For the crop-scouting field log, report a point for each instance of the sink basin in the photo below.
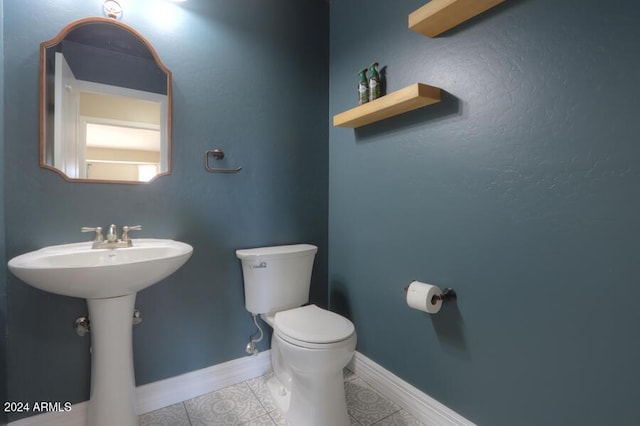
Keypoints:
(109, 279)
(77, 270)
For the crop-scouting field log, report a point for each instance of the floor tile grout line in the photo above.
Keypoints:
(354, 379)
(255, 395)
(184, 405)
(246, 383)
(386, 417)
(275, 422)
(353, 419)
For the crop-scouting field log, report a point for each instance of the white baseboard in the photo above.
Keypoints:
(176, 389)
(414, 401)
(166, 392)
(186, 386)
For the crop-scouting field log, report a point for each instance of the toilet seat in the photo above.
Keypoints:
(313, 327)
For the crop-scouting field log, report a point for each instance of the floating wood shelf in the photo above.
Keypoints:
(438, 16)
(411, 97)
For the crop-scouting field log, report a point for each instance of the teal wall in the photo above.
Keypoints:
(249, 78)
(519, 190)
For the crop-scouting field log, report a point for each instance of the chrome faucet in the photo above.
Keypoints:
(112, 236)
(112, 240)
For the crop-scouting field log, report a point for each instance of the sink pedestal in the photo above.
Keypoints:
(112, 400)
(109, 280)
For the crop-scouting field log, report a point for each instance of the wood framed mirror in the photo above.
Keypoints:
(105, 104)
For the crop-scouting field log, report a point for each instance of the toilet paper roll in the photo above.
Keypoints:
(420, 296)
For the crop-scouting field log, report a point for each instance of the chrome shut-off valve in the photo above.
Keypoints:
(82, 325)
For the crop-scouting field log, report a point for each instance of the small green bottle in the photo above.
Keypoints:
(374, 82)
(363, 87)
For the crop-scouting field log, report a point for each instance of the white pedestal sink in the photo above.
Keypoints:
(109, 279)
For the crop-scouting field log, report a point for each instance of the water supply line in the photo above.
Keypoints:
(251, 346)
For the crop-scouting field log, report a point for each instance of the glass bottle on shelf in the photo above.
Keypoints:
(363, 87)
(374, 82)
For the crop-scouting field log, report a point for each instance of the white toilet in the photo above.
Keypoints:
(310, 346)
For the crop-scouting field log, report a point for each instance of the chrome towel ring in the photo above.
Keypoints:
(217, 154)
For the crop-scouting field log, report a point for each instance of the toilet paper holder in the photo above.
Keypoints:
(447, 294)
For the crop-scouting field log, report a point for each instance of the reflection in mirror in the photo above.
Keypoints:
(105, 104)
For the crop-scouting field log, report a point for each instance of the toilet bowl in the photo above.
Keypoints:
(317, 385)
(310, 346)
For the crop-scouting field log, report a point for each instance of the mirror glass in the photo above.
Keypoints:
(105, 104)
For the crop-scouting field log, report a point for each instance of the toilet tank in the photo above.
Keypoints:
(276, 278)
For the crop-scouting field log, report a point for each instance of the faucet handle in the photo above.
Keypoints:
(126, 229)
(97, 230)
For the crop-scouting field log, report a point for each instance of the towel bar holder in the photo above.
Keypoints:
(217, 154)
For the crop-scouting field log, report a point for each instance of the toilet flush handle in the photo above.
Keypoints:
(259, 265)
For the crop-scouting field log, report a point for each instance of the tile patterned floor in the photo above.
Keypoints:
(249, 404)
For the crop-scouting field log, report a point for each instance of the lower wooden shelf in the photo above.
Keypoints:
(412, 97)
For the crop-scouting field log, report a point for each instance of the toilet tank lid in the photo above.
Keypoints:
(276, 251)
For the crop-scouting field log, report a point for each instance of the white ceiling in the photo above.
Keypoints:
(119, 137)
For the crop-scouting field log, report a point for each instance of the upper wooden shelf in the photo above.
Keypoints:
(411, 97)
(438, 16)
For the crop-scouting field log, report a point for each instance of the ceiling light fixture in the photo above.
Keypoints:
(112, 9)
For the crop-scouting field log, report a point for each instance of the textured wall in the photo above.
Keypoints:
(249, 78)
(520, 190)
